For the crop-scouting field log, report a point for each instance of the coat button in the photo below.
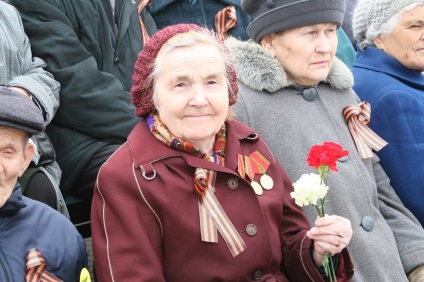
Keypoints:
(367, 223)
(116, 60)
(251, 229)
(257, 275)
(232, 183)
(343, 159)
(309, 94)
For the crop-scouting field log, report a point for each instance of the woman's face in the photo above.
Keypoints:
(406, 42)
(306, 53)
(191, 93)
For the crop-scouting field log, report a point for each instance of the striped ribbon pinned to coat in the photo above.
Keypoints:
(225, 20)
(213, 216)
(143, 4)
(358, 117)
(36, 268)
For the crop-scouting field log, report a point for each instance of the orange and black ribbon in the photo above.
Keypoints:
(225, 20)
(213, 216)
(36, 268)
(358, 117)
(140, 7)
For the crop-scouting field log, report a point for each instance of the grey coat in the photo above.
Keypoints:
(20, 69)
(291, 125)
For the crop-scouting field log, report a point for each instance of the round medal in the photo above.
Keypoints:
(257, 188)
(267, 182)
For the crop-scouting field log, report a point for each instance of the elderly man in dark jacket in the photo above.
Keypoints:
(37, 242)
(90, 47)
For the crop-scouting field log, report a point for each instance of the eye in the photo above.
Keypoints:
(331, 30)
(416, 26)
(212, 82)
(8, 153)
(180, 84)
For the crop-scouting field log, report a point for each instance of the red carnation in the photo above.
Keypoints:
(326, 154)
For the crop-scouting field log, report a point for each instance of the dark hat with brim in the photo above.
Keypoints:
(272, 16)
(20, 112)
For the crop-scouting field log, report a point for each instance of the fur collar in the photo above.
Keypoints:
(258, 70)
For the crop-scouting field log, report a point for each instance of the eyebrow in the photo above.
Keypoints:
(414, 21)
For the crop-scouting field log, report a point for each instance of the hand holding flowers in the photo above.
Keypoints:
(331, 233)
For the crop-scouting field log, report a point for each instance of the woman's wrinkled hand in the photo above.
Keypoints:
(331, 234)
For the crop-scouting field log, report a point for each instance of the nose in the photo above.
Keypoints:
(323, 44)
(198, 98)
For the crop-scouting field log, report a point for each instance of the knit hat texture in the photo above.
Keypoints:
(370, 15)
(142, 89)
(270, 16)
(18, 111)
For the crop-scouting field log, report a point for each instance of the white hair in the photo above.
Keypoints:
(388, 26)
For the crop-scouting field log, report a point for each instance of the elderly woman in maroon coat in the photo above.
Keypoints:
(183, 200)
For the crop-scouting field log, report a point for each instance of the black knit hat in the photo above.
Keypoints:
(18, 111)
(269, 16)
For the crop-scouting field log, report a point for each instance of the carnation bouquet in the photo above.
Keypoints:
(311, 188)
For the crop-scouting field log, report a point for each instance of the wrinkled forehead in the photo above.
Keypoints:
(12, 134)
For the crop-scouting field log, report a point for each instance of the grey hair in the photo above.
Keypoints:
(387, 27)
(192, 38)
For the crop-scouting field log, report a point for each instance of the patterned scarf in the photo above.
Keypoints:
(212, 216)
(162, 133)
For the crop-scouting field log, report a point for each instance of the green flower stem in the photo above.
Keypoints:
(327, 261)
(332, 272)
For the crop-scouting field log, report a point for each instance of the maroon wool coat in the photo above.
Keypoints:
(148, 230)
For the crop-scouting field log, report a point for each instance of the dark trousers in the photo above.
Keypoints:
(84, 186)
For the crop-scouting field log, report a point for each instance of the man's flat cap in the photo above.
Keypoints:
(20, 112)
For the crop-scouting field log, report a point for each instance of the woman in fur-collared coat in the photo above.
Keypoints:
(293, 91)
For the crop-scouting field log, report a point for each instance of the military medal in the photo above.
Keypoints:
(257, 188)
(260, 166)
(256, 163)
(266, 182)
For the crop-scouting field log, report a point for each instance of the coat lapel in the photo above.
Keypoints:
(126, 11)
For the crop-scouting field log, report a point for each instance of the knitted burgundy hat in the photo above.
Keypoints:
(142, 89)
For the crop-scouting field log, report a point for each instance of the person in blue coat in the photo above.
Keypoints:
(388, 74)
(37, 242)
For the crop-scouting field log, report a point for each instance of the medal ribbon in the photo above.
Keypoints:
(36, 268)
(225, 20)
(248, 168)
(259, 163)
(213, 216)
(240, 166)
(358, 117)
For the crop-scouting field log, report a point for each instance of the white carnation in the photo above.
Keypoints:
(308, 190)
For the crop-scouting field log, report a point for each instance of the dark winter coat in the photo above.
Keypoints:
(27, 224)
(91, 52)
(200, 12)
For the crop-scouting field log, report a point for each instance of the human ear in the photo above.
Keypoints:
(379, 43)
(29, 152)
(267, 44)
